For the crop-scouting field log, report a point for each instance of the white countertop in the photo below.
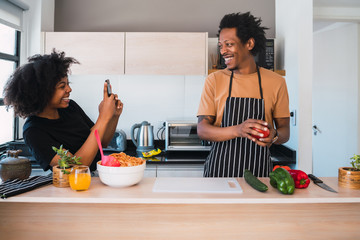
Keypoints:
(142, 193)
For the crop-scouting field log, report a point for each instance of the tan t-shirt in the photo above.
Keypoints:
(216, 90)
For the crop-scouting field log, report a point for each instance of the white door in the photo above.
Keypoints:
(335, 90)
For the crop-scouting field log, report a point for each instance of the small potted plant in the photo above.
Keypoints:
(350, 176)
(62, 170)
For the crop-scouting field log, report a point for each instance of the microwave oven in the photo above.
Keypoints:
(182, 136)
(266, 58)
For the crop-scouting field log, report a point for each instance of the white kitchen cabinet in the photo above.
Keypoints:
(97, 52)
(180, 170)
(166, 53)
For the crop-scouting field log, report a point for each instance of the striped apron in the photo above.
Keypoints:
(230, 158)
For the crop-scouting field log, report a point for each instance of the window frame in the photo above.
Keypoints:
(16, 59)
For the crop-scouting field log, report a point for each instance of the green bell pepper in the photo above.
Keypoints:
(281, 179)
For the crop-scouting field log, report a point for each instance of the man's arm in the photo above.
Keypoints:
(282, 126)
(283, 129)
(207, 131)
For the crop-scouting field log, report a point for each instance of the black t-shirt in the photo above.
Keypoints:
(71, 130)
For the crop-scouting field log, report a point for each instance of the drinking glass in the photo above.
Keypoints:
(80, 178)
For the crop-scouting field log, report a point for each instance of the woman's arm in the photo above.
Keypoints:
(109, 132)
(109, 111)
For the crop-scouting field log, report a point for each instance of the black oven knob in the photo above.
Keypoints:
(205, 143)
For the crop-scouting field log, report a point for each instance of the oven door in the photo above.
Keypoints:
(183, 137)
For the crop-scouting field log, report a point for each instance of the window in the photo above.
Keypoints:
(9, 60)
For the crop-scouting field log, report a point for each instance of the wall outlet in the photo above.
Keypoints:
(293, 117)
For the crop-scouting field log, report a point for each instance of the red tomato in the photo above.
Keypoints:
(266, 133)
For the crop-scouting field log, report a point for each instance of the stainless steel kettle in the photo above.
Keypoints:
(144, 140)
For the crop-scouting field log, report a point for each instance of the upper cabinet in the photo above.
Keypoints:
(97, 52)
(132, 52)
(166, 53)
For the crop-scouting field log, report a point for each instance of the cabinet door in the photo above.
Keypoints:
(97, 52)
(166, 53)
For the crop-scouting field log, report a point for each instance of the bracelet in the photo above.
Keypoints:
(275, 137)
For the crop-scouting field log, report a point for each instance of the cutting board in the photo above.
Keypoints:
(197, 185)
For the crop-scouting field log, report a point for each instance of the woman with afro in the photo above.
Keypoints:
(40, 92)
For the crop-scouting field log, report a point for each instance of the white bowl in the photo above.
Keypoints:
(120, 176)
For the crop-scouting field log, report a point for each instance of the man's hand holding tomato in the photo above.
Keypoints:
(258, 131)
(265, 133)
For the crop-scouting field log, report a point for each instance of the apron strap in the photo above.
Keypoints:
(231, 78)
(259, 77)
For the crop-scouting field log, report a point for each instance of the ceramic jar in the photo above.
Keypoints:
(13, 166)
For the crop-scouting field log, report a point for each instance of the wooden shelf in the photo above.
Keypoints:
(280, 72)
(213, 70)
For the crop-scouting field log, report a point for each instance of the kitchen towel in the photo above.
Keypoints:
(14, 187)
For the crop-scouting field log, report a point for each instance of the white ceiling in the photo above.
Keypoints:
(331, 12)
(336, 3)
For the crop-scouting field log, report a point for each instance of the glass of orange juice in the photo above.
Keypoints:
(80, 178)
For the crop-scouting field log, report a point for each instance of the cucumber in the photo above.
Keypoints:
(254, 181)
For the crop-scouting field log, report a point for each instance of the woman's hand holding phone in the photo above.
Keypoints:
(108, 87)
(115, 101)
(110, 109)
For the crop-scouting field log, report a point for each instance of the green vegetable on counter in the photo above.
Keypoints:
(66, 160)
(281, 179)
(254, 181)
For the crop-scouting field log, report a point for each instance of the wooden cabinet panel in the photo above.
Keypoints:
(97, 52)
(166, 53)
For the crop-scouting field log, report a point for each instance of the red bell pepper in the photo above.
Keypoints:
(301, 179)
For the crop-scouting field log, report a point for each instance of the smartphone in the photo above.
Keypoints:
(108, 87)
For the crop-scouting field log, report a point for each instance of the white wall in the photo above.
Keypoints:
(358, 89)
(32, 30)
(146, 97)
(47, 15)
(40, 15)
(335, 97)
(294, 21)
